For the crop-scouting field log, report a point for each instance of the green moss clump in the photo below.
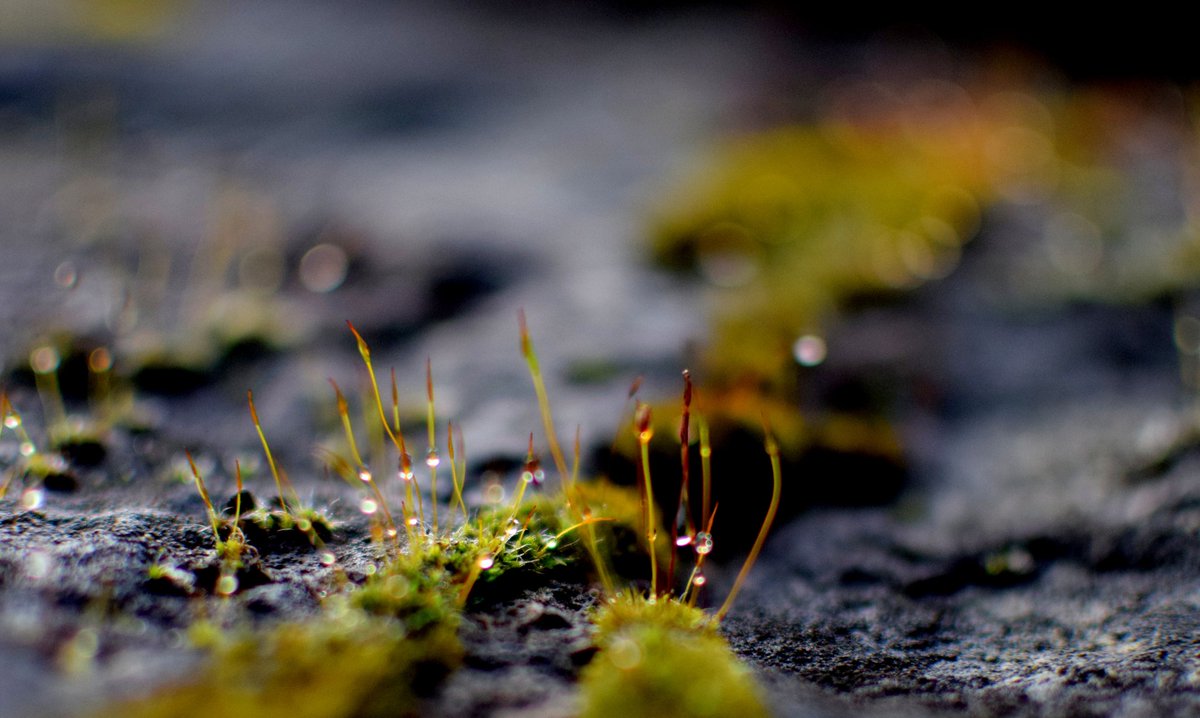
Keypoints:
(664, 659)
(347, 663)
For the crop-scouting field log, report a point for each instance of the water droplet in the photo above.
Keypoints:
(404, 475)
(486, 562)
(226, 585)
(699, 580)
(512, 528)
(391, 533)
(551, 544)
(683, 540)
(100, 360)
(44, 360)
(809, 350)
(364, 476)
(33, 498)
(432, 459)
(704, 543)
(414, 521)
(397, 586)
(645, 436)
(28, 449)
(368, 506)
(12, 421)
(304, 525)
(65, 275)
(624, 653)
(323, 268)
(527, 476)
(370, 569)
(493, 493)
(327, 558)
(538, 477)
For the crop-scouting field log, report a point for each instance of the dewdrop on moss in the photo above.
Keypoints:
(432, 460)
(365, 476)
(699, 579)
(227, 585)
(532, 472)
(704, 543)
(327, 558)
(486, 561)
(12, 421)
(624, 653)
(643, 429)
(44, 360)
(683, 540)
(100, 360)
(368, 506)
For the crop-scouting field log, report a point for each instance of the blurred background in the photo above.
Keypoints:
(871, 229)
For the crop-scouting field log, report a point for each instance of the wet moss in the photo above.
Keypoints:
(664, 659)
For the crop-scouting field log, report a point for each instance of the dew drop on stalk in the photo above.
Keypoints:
(368, 506)
(406, 472)
(365, 476)
(44, 360)
(226, 585)
(700, 579)
(28, 449)
(704, 543)
(414, 521)
(33, 498)
(304, 525)
(551, 544)
(683, 540)
(391, 533)
(12, 421)
(486, 562)
(513, 527)
(100, 360)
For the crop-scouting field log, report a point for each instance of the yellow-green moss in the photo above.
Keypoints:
(664, 659)
(345, 663)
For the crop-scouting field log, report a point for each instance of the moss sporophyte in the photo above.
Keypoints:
(381, 640)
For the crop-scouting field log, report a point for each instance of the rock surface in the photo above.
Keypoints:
(1043, 561)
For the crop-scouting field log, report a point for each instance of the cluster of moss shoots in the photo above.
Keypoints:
(880, 193)
(382, 642)
(72, 441)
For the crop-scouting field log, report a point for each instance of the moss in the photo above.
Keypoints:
(347, 663)
(664, 659)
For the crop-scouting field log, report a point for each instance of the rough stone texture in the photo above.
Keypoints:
(1043, 561)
